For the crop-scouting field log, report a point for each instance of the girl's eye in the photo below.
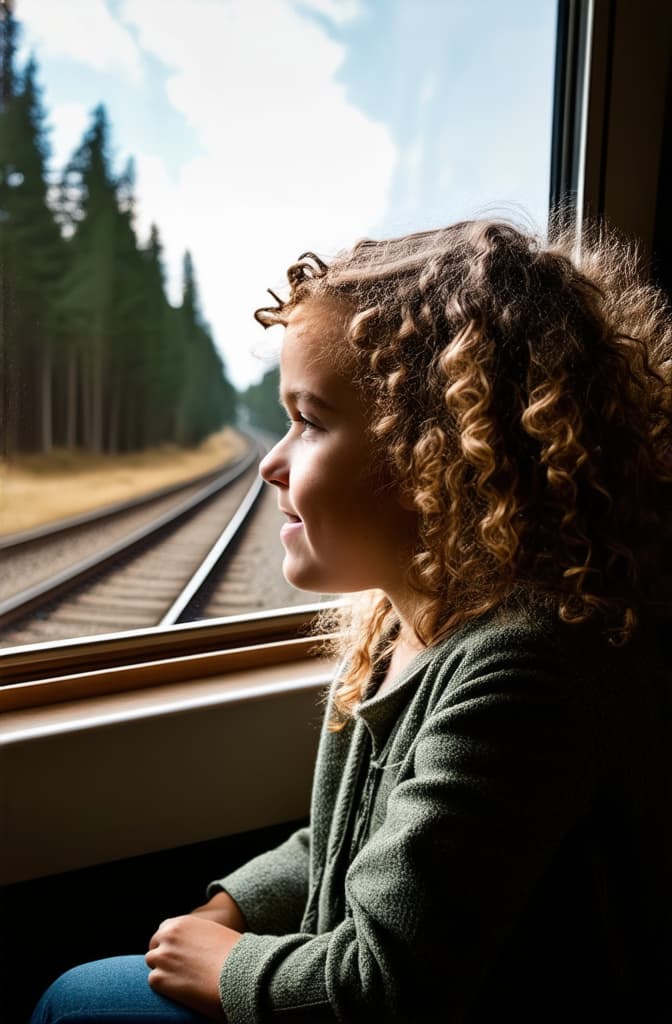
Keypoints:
(305, 423)
(300, 424)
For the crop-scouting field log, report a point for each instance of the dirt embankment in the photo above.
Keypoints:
(37, 489)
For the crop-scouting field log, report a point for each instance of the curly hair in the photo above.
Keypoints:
(520, 393)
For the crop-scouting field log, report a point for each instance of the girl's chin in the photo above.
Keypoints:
(302, 572)
(301, 577)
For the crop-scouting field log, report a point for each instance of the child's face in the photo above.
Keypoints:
(346, 529)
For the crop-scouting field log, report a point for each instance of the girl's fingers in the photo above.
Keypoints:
(156, 937)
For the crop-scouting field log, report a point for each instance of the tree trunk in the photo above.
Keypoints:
(85, 375)
(97, 350)
(71, 400)
(45, 390)
(113, 422)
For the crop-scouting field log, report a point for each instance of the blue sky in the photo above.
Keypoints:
(262, 128)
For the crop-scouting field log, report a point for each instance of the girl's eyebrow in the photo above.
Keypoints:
(308, 396)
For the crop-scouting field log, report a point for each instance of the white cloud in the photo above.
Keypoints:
(83, 31)
(338, 11)
(69, 122)
(286, 164)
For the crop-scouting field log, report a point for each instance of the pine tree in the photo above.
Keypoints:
(32, 252)
(89, 212)
(262, 404)
(88, 338)
(157, 396)
(8, 43)
(206, 399)
(129, 381)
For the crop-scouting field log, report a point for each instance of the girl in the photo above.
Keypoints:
(479, 442)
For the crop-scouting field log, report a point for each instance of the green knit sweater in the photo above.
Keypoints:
(491, 836)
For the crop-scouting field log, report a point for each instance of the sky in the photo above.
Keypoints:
(261, 129)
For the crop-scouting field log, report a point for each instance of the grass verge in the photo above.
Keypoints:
(38, 489)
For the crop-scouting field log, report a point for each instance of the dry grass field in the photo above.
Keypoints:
(37, 489)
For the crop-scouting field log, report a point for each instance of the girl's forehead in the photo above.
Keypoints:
(315, 357)
(315, 333)
(320, 315)
(307, 356)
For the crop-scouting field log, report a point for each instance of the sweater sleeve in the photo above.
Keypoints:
(501, 769)
(271, 889)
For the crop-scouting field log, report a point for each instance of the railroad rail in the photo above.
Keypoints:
(151, 575)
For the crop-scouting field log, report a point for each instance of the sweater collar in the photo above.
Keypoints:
(380, 713)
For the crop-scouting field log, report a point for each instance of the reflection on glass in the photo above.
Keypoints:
(158, 170)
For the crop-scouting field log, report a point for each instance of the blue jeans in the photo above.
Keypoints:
(109, 990)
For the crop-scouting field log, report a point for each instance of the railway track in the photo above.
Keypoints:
(202, 552)
(34, 557)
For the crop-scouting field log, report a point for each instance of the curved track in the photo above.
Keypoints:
(213, 552)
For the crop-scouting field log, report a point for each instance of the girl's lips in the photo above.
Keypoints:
(293, 526)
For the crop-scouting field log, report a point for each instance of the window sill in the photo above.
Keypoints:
(221, 748)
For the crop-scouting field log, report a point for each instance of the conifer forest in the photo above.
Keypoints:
(92, 354)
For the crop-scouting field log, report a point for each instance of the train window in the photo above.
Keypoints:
(161, 168)
(354, 116)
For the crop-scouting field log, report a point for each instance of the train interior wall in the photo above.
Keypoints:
(51, 924)
(108, 828)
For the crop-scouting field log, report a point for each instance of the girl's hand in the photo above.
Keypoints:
(222, 909)
(186, 956)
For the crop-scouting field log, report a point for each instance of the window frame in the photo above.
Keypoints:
(602, 49)
(612, 57)
(148, 729)
(264, 631)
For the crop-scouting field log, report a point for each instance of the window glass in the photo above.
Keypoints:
(160, 167)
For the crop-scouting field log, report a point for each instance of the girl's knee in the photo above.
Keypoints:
(102, 987)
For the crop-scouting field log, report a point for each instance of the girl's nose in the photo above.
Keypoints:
(273, 467)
